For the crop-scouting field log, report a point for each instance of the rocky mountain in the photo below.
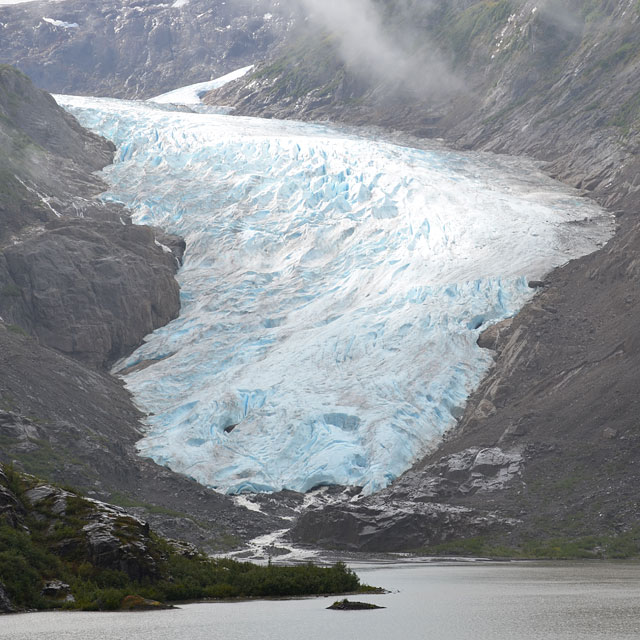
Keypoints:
(137, 48)
(547, 446)
(80, 286)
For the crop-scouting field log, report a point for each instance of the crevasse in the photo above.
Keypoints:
(332, 293)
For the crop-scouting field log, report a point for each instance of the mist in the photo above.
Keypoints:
(369, 46)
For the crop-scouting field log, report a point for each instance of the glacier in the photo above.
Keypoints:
(333, 289)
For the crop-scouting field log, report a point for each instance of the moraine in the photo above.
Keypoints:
(333, 289)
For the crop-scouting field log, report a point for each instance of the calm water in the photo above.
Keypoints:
(429, 601)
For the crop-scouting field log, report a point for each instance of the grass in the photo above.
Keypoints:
(43, 460)
(479, 20)
(18, 330)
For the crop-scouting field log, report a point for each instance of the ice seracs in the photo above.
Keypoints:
(332, 291)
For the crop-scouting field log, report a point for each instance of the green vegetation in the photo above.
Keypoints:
(11, 291)
(15, 328)
(627, 114)
(51, 544)
(479, 20)
(621, 55)
(42, 459)
(625, 545)
(309, 66)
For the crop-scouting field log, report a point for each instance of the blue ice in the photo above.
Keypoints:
(333, 289)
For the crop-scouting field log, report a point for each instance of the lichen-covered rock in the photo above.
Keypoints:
(119, 541)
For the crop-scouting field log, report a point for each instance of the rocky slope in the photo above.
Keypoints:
(137, 48)
(81, 286)
(547, 446)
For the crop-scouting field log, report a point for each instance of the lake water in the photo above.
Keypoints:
(479, 601)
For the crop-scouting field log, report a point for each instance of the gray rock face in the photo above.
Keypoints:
(47, 161)
(138, 48)
(105, 549)
(92, 290)
(57, 590)
(391, 526)
(417, 511)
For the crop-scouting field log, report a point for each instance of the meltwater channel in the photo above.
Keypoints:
(333, 288)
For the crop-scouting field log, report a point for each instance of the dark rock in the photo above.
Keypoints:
(5, 602)
(490, 338)
(349, 605)
(57, 590)
(183, 548)
(382, 525)
(116, 540)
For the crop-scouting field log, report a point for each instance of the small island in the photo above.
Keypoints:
(347, 605)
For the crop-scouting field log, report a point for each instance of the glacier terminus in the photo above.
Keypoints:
(333, 289)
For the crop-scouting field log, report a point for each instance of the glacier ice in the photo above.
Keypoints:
(332, 291)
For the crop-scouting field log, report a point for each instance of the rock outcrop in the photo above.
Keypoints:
(5, 601)
(90, 290)
(137, 48)
(74, 273)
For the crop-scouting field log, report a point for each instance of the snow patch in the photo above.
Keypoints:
(192, 94)
(61, 24)
(162, 246)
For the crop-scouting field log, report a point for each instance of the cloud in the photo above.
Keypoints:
(396, 51)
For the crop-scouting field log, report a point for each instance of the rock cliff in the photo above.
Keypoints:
(137, 48)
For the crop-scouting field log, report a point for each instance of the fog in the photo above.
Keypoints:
(400, 53)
